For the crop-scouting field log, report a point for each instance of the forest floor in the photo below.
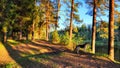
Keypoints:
(42, 54)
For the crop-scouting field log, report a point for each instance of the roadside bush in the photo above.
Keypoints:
(55, 37)
(64, 38)
(77, 39)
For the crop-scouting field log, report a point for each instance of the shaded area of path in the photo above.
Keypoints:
(42, 54)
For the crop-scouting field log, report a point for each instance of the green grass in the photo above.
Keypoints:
(101, 54)
(13, 42)
(10, 65)
(1, 46)
(39, 58)
(34, 57)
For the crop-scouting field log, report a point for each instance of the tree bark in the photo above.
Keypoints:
(111, 30)
(20, 33)
(58, 8)
(47, 31)
(39, 32)
(33, 31)
(47, 20)
(33, 25)
(94, 27)
(71, 19)
(5, 37)
(27, 36)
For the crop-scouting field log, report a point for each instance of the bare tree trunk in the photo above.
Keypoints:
(39, 33)
(27, 35)
(13, 34)
(47, 32)
(33, 25)
(94, 28)
(33, 31)
(111, 30)
(71, 19)
(5, 37)
(47, 21)
(58, 8)
(20, 33)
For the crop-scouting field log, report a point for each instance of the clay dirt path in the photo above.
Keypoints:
(42, 54)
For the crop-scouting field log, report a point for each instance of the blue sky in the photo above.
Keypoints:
(87, 19)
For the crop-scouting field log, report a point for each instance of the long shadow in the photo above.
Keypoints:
(60, 49)
(23, 62)
(47, 45)
(26, 62)
(51, 57)
(90, 56)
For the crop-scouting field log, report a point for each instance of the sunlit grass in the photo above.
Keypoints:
(13, 42)
(43, 50)
(105, 55)
(11, 65)
(101, 54)
(1, 46)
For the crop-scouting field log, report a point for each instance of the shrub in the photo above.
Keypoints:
(64, 38)
(55, 37)
(77, 39)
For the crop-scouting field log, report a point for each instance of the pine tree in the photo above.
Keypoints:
(111, 30)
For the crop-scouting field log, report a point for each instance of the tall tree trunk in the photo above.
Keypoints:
(94, 27)
(47, 31)
(58, 8)
(71, 19)
(27, 35)
(111, 30)
(47, 20)
(5, 37)
(20, 33)
(39, 32)
(13, 34)
(33, 25)
(33, 31)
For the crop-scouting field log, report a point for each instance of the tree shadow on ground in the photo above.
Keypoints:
(23, 62)
(58, 57)
(97, 61)
(26, 62)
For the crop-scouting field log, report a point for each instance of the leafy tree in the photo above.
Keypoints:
(94, 26)
(64, 38)
(49, 16)
(9, 16)
(97, 7)
(72, 16)
(103, 30)
(71, 19)
(56, 5)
